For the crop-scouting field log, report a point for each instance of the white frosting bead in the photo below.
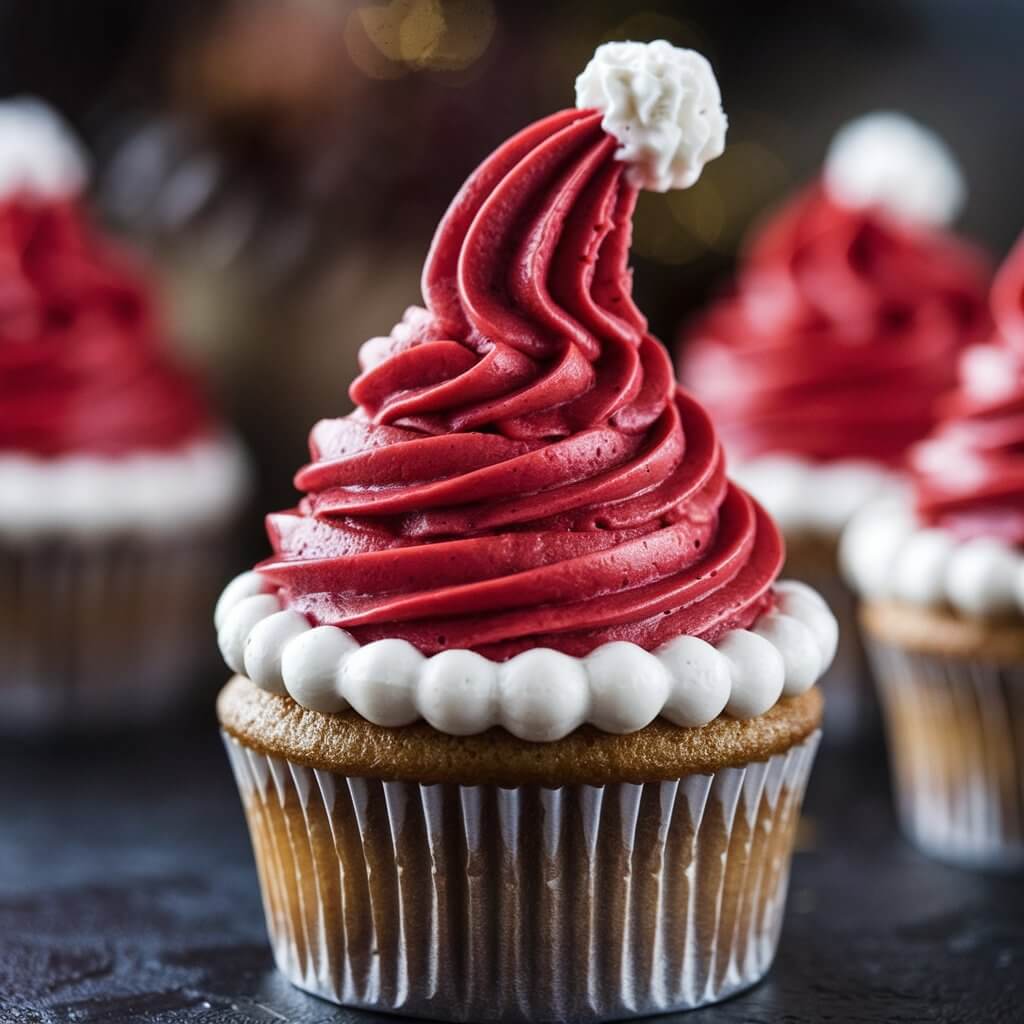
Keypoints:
(247, 584)
(799, 648)
(263, 647)
(148, 493)
(921, 566)
(807, 606)
(782, 481)
(701, 681)
(311, 665)
(238, 625)
(982, 578)
(870, 544)
(458, 692)
(628, 687)
(888, 160)
(757, 672)
(379, 681)
(38, 152)
(663, 105)
(543, 695)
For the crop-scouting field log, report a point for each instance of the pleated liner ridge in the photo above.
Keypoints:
(482, 903)
(956, 738)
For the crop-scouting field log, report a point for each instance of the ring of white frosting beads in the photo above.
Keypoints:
(886, 553)
(540, 694)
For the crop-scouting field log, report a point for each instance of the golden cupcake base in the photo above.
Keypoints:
(952, 693)
(525, 902)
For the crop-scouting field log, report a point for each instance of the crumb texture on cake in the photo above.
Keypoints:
(349, 745)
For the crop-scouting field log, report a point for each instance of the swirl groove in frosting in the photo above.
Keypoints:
(521, 469)
(840, 334)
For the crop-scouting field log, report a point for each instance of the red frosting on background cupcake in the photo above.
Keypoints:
(81, 367)
(839, 335)
(522, 469)
(969, 474)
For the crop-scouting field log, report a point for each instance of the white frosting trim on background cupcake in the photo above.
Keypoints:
(663, 105)
(889, 160)
(814, 497)
(618, 688)
(38, 152)
(887, 553)
(87, 496)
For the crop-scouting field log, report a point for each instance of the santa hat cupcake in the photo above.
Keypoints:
(941, 575)
(824, 361)
(522, 716)
(117, 483)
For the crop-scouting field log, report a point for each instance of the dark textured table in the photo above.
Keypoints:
(128, 893)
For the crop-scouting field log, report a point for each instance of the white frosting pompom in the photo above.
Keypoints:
(239, 623)
(265, 644)
(701, 683)
(38, 153)
(890, 161)
(758, 673)
(663, 105)
(379, 681)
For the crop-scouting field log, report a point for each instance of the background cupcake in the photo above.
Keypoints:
(941, 574)
(824, 362)
(116, 482)
(519, 693)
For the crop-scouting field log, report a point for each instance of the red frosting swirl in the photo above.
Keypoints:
(969, 474)
(80, 366)
(521, 469)
(839, 335)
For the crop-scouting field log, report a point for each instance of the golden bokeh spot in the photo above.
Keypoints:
(647, 25)
(385, 40)
(658, 234)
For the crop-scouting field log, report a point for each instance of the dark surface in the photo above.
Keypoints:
(128, 893)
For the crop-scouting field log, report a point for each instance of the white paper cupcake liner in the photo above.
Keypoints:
(478, 903)
(94, 635)
(956, 739)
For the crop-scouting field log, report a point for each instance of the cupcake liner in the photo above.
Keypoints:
(478, 903)
(956, 739)
(851, 711)
(99, 634)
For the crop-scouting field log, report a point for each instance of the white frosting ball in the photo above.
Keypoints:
(701, 683)
(757, 671)
(920, 567)
(379, 681)
(807, 606)
(38, 153)
(888, 160)
(311, 665)
(543, 694)
(263, 647)
(457, 692)
(247, 584)
(628, 687)
(799, 648)
(239, 623)
(870, 544)
(982, 578)
(663, 105)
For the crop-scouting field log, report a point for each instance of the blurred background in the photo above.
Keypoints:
(284, 162)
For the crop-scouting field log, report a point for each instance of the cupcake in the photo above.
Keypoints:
(117, 486)
(941, 577)
(522, 717)
(824, 362)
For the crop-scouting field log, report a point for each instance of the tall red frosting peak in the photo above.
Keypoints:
(521, 468)
(81, 367)
(969, 473)
(839, 335)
